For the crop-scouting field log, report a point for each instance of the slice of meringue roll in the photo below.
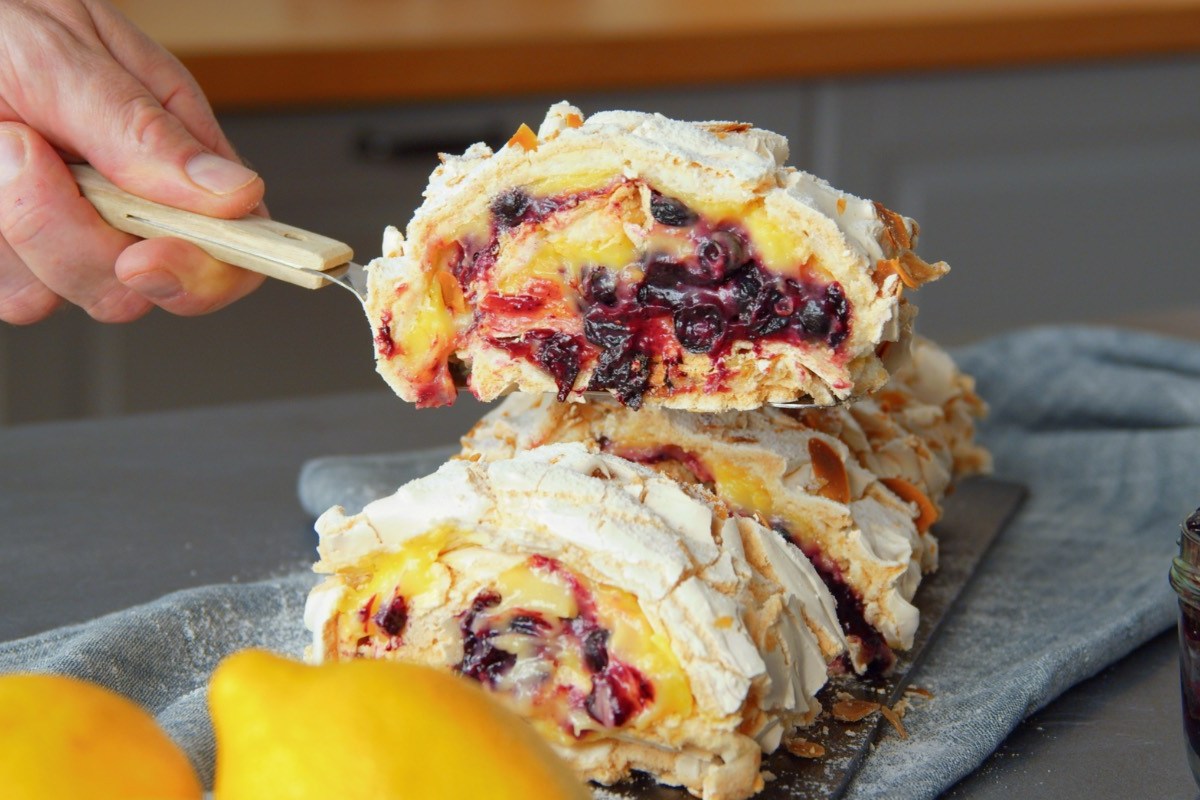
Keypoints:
(667, 263)
(856, 488)
(634, 621)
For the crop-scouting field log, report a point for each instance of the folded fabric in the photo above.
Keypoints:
(1102, 425)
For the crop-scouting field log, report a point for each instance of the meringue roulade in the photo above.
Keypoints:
(635, 621)
(667, 263)
(856, 488)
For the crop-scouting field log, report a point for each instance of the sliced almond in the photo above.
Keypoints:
(927, 512)
(854, 710)
(803, 748)
(830, 470)
(525, 137)
(894, 718)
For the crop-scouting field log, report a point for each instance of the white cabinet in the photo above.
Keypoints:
(1057, 195)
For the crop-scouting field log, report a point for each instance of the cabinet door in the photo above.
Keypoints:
(1055, 195)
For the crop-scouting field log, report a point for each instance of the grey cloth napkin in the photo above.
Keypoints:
(1103, 426)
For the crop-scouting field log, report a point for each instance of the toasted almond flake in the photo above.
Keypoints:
(927, 513)
(920, 270)
(829, 468)
(803, 748)
(895, 233)
(525, 137)
(919, 691)
(892, 266)
(854, 710)
(891, 400)
(894, 718)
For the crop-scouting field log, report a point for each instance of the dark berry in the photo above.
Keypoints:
(672, 212)
(664, 286)
(392, 618)
(484, 662)
(481, 660)
(746, 288)
(595, 649)
(606, 332)
(617, 694)
(600, 286)
(626, 372)
(559, 354)
(699, 328)
(813, 319)
(528, 624)
(509, 208)
(720, 254)
(838, 308)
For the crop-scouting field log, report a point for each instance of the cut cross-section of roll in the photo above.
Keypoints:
(855, 488)
(667, 263)
(635, 621)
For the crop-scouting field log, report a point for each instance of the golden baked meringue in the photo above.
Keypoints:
(856, 488)
(668, 263)
(635, 621)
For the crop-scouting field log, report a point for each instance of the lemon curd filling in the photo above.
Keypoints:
(574, 656)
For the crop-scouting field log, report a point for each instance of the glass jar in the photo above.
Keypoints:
(1185, 580)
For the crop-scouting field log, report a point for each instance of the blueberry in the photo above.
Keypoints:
(595, 649)
(617, 694)
(481, 660)
(720, 254)
(509, 208)
(624, 370)
(699, 328)
(600, 286)
(606, 332)
(813, 318)
(672, 212)
(392, 618)
(559, 354)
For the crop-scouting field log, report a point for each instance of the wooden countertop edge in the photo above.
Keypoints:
(360, 76)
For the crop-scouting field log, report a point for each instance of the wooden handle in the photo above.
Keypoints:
(255, 243)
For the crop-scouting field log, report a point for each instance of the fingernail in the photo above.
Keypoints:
(218, 175)
(155, 285)
(12, 156)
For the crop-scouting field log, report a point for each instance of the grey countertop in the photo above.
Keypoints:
(100, 515)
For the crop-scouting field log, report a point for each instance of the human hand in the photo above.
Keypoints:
(79, 82)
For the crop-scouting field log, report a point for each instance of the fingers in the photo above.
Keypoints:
(167, 80)
(56, 234)
(23, 298)
(182, 278)
(108, 116)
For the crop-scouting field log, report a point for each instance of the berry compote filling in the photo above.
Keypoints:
(539, 658)
(873, 650)
(701, 290)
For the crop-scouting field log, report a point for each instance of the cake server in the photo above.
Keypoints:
(258, 244)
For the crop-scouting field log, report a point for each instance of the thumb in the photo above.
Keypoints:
(146, 150)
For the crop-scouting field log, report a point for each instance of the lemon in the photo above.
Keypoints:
(62, 738)
(371, 730)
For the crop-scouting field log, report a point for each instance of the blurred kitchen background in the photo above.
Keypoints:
(1050, 151)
